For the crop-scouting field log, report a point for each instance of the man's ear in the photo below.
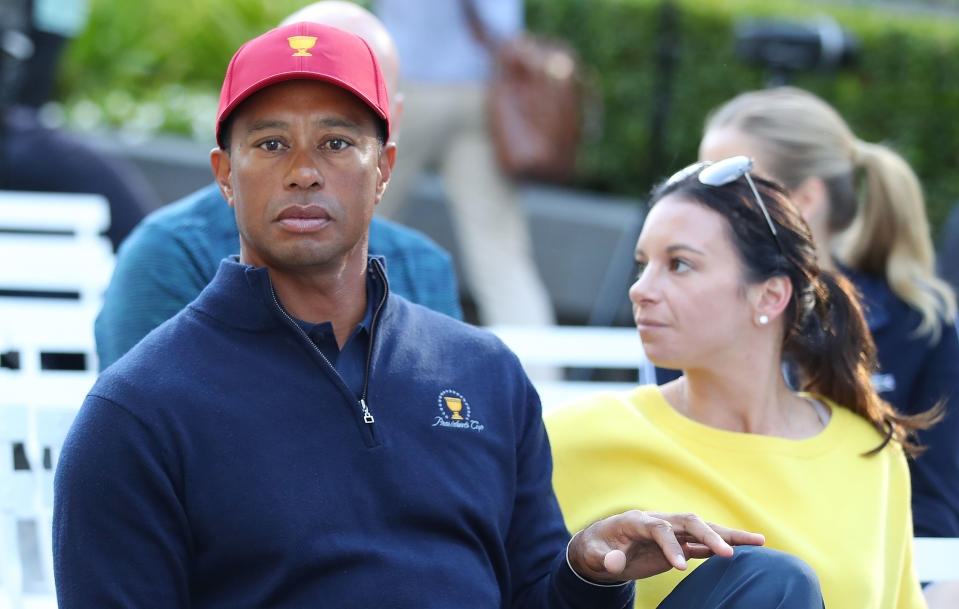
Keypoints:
(771, 297)
(384, 168)
(222, 172)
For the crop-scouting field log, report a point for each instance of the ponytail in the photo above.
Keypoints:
(890, 236)
(831, 344)
(798, 136)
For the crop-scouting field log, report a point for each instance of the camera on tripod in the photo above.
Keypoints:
(784, 47)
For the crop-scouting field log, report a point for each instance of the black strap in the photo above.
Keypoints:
(477, 27)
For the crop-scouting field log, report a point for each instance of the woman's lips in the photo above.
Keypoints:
(648, 324)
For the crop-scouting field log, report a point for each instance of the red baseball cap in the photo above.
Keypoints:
(304, 50)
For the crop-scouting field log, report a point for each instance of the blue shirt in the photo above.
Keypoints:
(35, 158)
(435, 39)
(175, 252)
(350, 361)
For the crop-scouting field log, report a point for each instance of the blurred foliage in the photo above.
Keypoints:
(153, 64)
(138, 45)
(903, 90)
(158, 64)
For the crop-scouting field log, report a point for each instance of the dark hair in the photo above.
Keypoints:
(826, 337)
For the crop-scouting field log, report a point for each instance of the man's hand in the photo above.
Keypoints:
(635, 545)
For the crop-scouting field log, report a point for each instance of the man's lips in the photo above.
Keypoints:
(303, 218)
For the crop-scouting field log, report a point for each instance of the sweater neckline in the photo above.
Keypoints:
(649, 402)
(241, 295)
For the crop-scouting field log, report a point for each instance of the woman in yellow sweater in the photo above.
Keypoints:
(728, 289)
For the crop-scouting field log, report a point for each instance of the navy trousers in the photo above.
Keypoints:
(753, 578)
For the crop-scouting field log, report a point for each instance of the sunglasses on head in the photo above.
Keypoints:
(726, 171)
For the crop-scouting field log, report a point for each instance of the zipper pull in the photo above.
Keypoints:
(367, 417)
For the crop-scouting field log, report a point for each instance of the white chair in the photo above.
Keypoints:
(17, 493)
(578, 347)
(33, 425)
(56, 267)
(935, 559)
(83, 216)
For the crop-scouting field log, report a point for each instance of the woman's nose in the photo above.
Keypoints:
(644, 288)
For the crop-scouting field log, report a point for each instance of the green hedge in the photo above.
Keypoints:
(157, 63)
(903, 91)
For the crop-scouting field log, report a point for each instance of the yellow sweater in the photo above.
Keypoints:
(846, 515)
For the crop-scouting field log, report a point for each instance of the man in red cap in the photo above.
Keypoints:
(175, 252)
(298, 435)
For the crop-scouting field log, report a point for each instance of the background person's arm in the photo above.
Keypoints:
(935, 472)
(156, 275)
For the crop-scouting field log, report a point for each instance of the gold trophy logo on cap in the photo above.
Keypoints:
(300, 44)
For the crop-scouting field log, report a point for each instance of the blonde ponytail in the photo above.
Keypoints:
(890, 236)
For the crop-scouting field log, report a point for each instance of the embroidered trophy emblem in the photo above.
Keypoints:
(301, 44)
(455, 412)
(455, 405)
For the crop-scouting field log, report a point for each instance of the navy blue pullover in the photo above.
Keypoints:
(914, 374)
(223, 463)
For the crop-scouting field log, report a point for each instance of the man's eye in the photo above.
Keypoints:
(336, 144)
(271, 145)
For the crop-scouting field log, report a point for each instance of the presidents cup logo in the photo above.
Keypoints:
(455, 412)
(301, 44)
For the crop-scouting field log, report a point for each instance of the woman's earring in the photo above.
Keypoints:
(763, 320)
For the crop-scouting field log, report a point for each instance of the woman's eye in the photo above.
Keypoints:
(271, 145)
(640, 267)
(678, 266)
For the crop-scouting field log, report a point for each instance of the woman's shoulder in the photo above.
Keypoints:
(593, 404)
(601, 413)
(859, 434)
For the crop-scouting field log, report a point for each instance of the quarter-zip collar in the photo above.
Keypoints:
(241, 296)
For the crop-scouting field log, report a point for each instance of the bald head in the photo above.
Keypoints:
(357, 20)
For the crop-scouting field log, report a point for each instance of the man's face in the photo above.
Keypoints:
(303, 173)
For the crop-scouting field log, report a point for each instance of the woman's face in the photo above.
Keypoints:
(689, 300)
(810, 197)
(725, 142)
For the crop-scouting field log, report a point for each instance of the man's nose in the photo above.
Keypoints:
(304, 171)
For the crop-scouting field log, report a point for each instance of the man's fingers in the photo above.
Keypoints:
(638, 544)
(695, 529)
(614, 562)
(661, 530)
(697, 550)
(735, 537)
